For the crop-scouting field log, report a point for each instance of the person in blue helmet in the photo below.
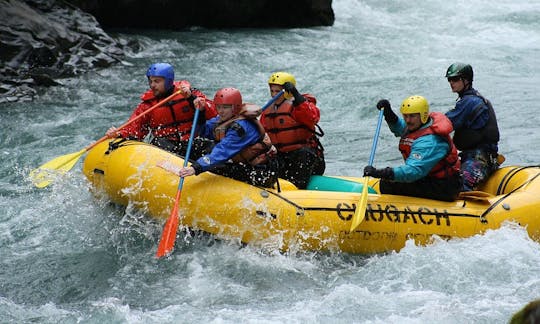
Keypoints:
(476, 133)
(243, 150)
(169, 125)
(431, 168)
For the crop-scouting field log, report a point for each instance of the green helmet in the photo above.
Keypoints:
(460, 70)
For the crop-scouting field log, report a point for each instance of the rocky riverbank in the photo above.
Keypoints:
(43, 41)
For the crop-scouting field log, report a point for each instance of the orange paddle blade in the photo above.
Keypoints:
(168, 236)
(169, 232)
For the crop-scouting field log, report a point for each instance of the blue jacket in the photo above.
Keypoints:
(465, 104)
(236, 139)
(426, 152)
(474, 121)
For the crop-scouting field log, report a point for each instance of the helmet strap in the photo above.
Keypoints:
(466, 86)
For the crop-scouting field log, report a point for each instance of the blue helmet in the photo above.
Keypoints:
(164, 70)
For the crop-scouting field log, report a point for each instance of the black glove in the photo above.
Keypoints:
(388, 113)
(197, 167)
(290, 88)
(383, 103)
(201, 120)
(386, 173)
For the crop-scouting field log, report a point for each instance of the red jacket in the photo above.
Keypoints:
(292, 127)
(172, 119)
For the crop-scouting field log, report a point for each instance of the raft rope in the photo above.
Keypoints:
(484, 214)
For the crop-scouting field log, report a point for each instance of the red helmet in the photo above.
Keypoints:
(229, 96)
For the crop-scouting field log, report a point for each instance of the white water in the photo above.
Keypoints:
(67, 257)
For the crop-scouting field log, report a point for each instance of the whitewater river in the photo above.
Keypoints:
(66, 257)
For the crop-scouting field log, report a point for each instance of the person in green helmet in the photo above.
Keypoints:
(476, 133)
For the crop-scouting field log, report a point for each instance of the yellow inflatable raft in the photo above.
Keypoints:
(315, 219)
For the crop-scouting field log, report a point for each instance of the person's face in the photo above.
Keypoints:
(274, 89)
(225, 111)
(413, 121)
(456, 83)
(157, 85)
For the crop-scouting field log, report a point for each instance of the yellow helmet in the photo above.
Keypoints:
(416, 105)
(281, 78)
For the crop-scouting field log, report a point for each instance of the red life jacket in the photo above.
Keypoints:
(441, 126)
(285, 132)
(172, 120)
(254, 154)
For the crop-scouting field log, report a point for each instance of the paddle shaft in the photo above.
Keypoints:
(188, 151)
(147, 111)
(62, 164)
(168, 237)
(272, 100)
(376, 137)
(362, 203)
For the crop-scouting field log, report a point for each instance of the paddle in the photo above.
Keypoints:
(43, 176)
(362, 203)
(168, 236)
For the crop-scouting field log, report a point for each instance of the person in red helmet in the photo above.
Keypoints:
(243, 150)
(292, 126)
(169, 125)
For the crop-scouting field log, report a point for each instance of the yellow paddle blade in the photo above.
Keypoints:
(361, 207)
(45, 174)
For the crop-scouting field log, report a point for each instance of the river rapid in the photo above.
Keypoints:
(67, 257)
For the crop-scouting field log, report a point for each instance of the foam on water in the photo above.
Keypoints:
(69, 256)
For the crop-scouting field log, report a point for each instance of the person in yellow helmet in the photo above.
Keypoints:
(431, 168)
(291, 123)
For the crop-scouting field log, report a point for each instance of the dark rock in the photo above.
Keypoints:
(529, 314)
(44, 40)
(174, 14)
